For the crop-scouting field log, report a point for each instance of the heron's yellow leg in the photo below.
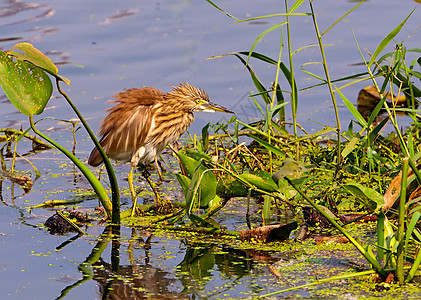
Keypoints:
(158, 168)
(132, 191)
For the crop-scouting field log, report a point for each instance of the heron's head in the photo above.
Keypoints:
(193, 99)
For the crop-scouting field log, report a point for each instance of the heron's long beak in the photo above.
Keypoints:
(211, 107)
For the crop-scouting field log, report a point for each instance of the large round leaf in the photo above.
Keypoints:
(28, 88)
(33, 55)
(29, 53)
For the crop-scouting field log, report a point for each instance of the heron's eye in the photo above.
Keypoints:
(198, 101)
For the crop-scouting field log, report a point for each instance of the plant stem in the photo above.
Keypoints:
(329, 83)
(294, 103)
(115, 195)
(25, 134)
(415, 170)
(97, 186)
(401, 224)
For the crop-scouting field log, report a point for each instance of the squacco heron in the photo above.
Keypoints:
(144, 121)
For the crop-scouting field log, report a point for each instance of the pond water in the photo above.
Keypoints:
(106, 46)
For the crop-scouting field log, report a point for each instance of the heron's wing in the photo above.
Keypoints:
(127, 125)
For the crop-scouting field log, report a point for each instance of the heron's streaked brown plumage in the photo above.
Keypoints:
(146, 120)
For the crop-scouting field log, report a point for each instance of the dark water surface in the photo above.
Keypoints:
(106, 46)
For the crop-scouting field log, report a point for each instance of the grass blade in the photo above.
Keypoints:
(343, 16)
(220, 9)
(260, 36)
(296, 5)
(388, 39)
(353, 110)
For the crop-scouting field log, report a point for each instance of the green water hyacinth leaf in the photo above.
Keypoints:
(229, 187)
(290, 168)
(201, 181)
(28, 88)
(184, 181)
(369, 197)
(31, 54)
(261, 180)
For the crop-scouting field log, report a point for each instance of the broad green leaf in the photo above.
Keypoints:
(266, 212)
(184, 182)
(229, 187)
(390, 242)
(368, 196)
(33, 55)
(387, 40)
(192, 196)
(286, 191)
(28, 88)
(189, 161)
(205, 137)
(290, 168)
(203, 181)
(214, 202)
(261, 180)
(196, 155)
(327, 211)
(349, 147)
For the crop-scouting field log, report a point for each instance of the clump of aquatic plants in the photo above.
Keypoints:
(356, 163)
(8, 149)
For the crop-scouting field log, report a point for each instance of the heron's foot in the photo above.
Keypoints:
(161, 204)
